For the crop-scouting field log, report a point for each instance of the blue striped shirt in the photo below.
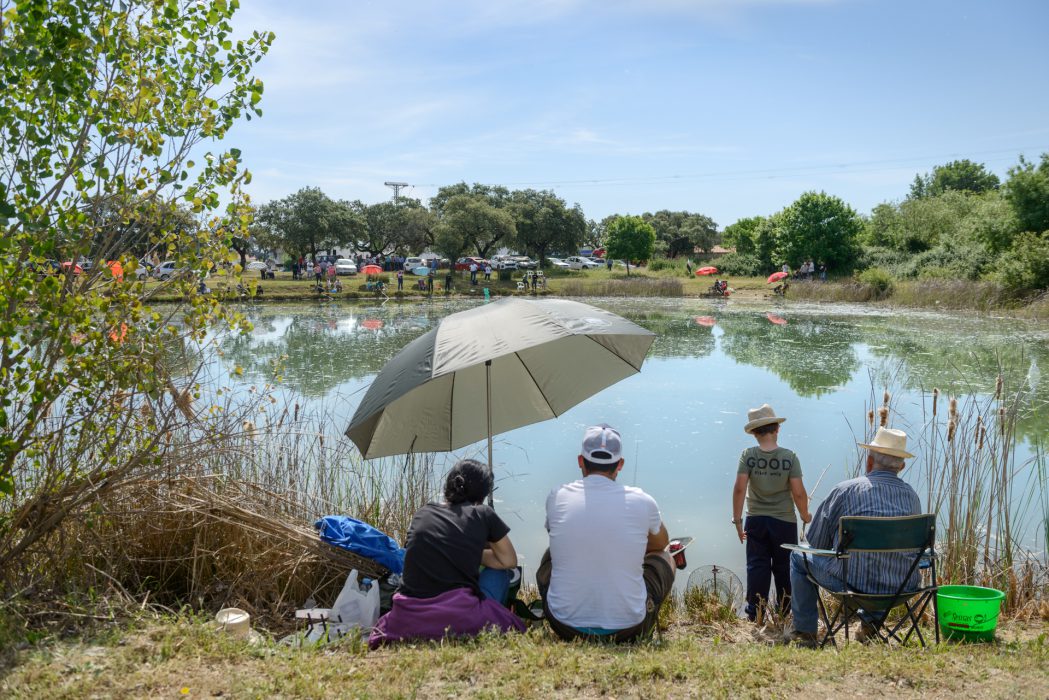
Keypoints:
(877, 494)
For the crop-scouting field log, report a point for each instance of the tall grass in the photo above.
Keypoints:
(624, 287)
(938, 293)
(224, 516)
(981, 495)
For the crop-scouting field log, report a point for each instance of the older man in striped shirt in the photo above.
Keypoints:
(878, 493)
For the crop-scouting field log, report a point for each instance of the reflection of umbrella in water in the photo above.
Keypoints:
(371, 270)
(776, 277)
(372, 324)
(491, 369)
(706, 271)
(778, 320)
(706, 321)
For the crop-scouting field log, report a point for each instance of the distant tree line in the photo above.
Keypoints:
(465, 220)
(958, 221)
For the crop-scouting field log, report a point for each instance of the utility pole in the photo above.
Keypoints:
(396, 187)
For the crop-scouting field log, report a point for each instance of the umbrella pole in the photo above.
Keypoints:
(488, 399)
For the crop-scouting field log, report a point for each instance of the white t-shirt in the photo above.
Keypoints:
(598, 536)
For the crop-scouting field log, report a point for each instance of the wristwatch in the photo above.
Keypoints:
(736, 521)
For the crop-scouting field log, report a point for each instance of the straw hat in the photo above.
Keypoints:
(888, 441)
(757, 417)
(237, 623)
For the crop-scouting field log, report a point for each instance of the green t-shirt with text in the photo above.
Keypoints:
(768, 491)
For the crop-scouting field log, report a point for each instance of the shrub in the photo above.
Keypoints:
(739, 265)
(1025, 266)
(659, 264)
(878, 279)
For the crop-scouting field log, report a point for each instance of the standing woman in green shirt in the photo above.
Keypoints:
(769, 476)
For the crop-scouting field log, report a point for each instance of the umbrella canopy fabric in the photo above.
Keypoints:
(706, 271)
(371, 270)
(546, 356)
(422, 271)
(776, 277)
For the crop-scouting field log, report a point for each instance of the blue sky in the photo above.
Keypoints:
(731, 108)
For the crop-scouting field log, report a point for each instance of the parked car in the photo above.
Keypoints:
(345, 266)
(503, 262)
(558, 264)
(144, 270)
(577, 262)
(414, 262)
(525, 263)
(166, 270)
(464, 263)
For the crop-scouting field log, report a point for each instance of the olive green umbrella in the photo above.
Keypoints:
(491, 369)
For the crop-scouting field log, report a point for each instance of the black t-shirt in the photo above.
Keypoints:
(444, 547)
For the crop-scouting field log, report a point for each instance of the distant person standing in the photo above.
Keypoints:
(488, 272)
(448, 281)
(688, 267)
(786, 269)
(400, 280)
(429, 281)
(823, 272)
(608, 262)
(309, 268)
(473, 273)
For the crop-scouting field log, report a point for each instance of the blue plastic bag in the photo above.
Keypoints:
(361, 538)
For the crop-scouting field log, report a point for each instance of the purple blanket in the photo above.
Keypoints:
(455, 613)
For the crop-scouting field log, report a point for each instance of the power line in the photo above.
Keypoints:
(764, 173)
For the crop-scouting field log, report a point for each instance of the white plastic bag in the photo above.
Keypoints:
(354, 608)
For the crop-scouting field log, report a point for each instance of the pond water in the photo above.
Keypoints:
(682, 416)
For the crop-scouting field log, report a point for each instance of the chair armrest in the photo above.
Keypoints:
(806, 549)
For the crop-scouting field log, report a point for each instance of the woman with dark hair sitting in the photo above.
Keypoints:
(443, 591)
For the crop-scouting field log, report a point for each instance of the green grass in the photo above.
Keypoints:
(187, 658)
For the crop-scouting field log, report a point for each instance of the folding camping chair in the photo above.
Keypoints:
(913, 534)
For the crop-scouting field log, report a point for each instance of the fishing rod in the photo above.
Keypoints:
(811, 492)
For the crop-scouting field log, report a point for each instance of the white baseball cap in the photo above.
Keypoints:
(602, 444)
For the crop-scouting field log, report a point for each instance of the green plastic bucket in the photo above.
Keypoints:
(969, 613)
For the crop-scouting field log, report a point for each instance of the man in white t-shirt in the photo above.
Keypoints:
(606, 573)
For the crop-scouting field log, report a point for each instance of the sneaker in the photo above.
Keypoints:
(801, 639)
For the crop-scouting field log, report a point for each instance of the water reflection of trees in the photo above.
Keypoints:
(677, 335)
(315, 350)
(963, 361)
(813, 355)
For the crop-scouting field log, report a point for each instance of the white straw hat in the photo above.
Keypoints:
(888, 441)
(763, 415)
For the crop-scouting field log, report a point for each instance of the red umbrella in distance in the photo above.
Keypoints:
(706, 271)
(776, 277)
(706, 321)
(371, 270)
(778, 320)
(372, 324)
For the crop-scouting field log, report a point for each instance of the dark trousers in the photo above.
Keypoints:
(766, 558)
(658, 575)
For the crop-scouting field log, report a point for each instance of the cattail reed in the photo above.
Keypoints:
(952, 410)
(935, 400)
(886, 397)
(870, 418)
(952, 427)
(998, 388)
(883, 414)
